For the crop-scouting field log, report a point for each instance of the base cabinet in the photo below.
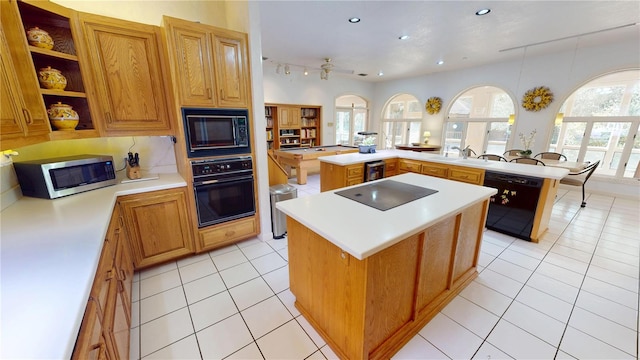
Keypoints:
(104, 332)
(227, 233)
(416, 277)
(157, 224)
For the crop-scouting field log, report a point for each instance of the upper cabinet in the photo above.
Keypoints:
(25, 61)
(129, 75)
(210, 64)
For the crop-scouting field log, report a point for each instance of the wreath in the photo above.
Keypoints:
(433, 105)
(537, 98)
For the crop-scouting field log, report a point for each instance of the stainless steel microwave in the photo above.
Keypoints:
(57, 177)
(214, 132)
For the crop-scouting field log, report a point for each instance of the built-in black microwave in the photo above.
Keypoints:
(214, 132)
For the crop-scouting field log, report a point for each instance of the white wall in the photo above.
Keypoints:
(297, 88)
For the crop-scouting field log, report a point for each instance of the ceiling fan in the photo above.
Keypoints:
(327, 67)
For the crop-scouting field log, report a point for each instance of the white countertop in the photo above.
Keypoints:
(49, 254)
(547, 172)
(362, 231)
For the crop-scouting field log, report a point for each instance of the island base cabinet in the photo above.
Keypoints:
(347, 300)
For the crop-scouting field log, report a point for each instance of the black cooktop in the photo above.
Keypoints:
(387, 194)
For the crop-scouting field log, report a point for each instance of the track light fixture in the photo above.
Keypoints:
(278, 68)
(287, 70)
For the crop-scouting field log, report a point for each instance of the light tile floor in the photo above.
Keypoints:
(572, 295)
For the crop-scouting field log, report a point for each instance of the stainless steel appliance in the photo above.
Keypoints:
(223, 189)
(513, 208)
(57, 177)
(373, 170)
(215, 132)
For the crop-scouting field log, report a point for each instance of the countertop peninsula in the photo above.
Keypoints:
(49, 255)
(546, 172)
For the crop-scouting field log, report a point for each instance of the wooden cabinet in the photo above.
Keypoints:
(226, 233)
(288, 117)
(210, 65)
(445, 171)
(104, 332)
(466, 174)
(435, 169)
(157, 225)
(231, 67)
(17, 18)
(129, 74)
(390, 167)
(336, 176)
(293, 125)
(405, 166)
(14, 115)
(416, 277)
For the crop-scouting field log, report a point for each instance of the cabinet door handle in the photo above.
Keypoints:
(123, 275)
(209, 93)
(27, 116)
(108, 116)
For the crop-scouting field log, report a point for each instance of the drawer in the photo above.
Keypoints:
(435, 170)
(410, 166)
(354, 181)
(355, 171)
(227, 233)
(466, 175)
(390, 165)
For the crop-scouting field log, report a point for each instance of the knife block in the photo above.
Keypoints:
(133, 172)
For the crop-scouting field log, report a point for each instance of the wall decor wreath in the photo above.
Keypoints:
(433, 105)
(537, 98)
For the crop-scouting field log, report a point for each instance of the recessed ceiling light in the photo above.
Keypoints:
(483, 12)
(380, 73)
(404, 37)
(354, 20)
(440, 62)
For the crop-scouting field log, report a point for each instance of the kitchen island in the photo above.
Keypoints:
(369, 280)
(335, 172)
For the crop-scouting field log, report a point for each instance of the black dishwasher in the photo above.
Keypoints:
(513, 208)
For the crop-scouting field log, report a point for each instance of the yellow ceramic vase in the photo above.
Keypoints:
(39, 38)
(63, 117)
(52, 79)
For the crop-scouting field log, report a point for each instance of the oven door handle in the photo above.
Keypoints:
(219, 181)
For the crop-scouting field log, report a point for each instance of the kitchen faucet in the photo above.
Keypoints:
(464, 152)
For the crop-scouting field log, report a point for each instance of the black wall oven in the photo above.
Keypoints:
(223, 189)
(216, 132)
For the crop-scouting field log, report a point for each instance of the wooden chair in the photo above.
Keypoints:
(551, 156)
(512, 152)
(524, 160)
(580, 178)
(492, 157)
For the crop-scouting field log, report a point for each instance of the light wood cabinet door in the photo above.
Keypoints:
(13, 110)
(288, 117)
(191, 56)
(129, 75)
(231, 68)
(157, 226)
(91, 343)
(24, 119)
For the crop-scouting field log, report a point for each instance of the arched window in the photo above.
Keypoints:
(401, 121)
(600, 122)
(479, 118)
(352, 116)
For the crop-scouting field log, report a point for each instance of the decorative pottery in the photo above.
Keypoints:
(63, 117)
(39, 38)
(52, 79)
